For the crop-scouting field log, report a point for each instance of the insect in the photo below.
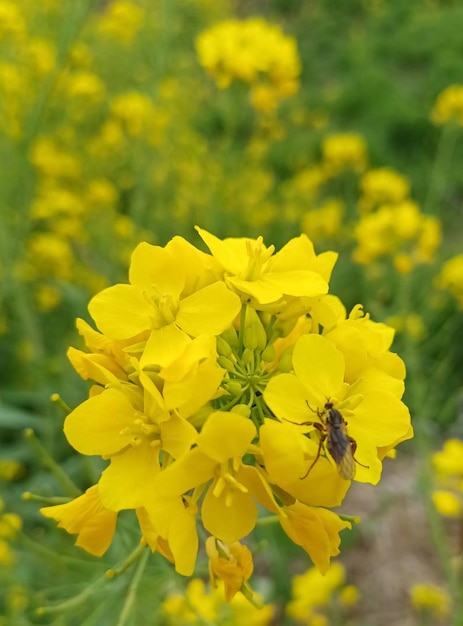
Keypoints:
(340, 446)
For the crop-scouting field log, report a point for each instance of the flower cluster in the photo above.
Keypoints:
(399, 230)
(449, 106)
(226, 384)
(344, 151)
(450, 278)
(314, 594)
(254, 52)
(448, 466)
(198, 604)
(431, 602)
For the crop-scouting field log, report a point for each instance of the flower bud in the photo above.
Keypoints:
(223, 347)
(234, 388)
(226, 363)
(268, 354)
(231, 337)
(242, 409)
(248, 356)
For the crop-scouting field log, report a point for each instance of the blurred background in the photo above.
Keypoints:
(135, 120)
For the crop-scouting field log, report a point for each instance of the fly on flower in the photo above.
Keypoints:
(341, 447)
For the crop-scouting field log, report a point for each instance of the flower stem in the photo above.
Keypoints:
(133, 587)
(130, 560)
(49, 462)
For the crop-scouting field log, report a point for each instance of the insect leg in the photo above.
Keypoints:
(353, 445)
(322, 439)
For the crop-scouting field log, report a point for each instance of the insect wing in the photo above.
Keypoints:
(346, 465)
(339, 445)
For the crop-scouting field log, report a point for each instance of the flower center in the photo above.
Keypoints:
(258, 256)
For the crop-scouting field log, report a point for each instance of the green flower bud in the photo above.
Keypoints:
(234, 388)
(248, 356)
(242, 409)
(268, 354)
(286, 361)
(231, 337)
(223, 347)
(226, 363)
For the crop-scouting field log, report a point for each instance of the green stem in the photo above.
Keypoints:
(133, 587)
(49, 462)
(440, 168)
(34, 497)
(242, 328)
(268, 521)
(139, 551)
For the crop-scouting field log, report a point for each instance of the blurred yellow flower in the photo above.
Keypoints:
(449, 106)
(121, 21)
(324, 222)
(447, 503)
(398, 230)
(451, 278)
(12, 23)
(380, 186)
(312, 593)
(428, 597)
(254, 52)
(344, 151)
(41, 55)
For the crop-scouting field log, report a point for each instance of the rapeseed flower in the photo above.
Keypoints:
(449, 106)
(431, 599)
(254, 52)
(450, 278)
(400, 231)
(213, 377)
(122, 20)
(381, 186)
(344, 151)
(448, 467)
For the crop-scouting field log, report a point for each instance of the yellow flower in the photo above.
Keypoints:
(375, 417)
(215, 398)
(447, 503)
(431, 598)
(344, 151)
(253, 270)
(315, 529)
(324, 222)
(449, 461)
(449, 106)
(11, 21)
(86, 516)
(254, 52)
(382, 185)
(122, 21)
(172, 298)
(230, 563)
(451, 278)
(313, 590)
(135, 111)
(228, 510)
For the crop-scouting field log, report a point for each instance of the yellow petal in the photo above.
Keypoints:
(230, 516)
(128, 482)
(98, 425)
(121, 312)
(177, 435)
(226, 435)
(286, 396)
(88, 518)
(155, 266)
(319, 365)
(209, 311)
(164, 346)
